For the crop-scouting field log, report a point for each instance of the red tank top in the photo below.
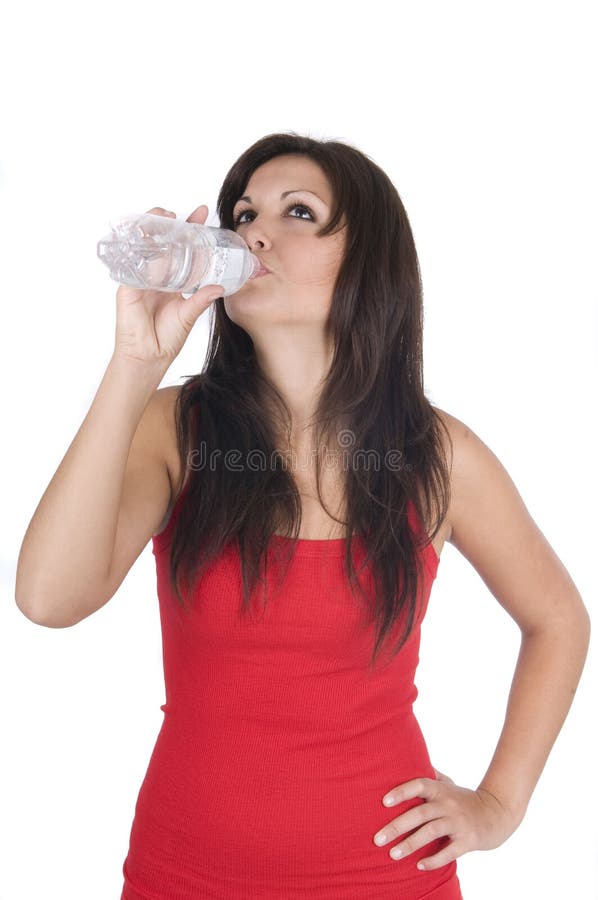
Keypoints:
(278, 742)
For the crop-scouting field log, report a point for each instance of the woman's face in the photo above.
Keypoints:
(281, 231)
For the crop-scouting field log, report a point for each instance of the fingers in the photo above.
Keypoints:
(200, 214)
(412, 818)
(432, 831)
(446, 856)
(419, 787)
(160, 211)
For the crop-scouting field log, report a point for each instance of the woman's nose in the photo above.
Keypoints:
(256, 234)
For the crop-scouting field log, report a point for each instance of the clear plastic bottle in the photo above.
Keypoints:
(160, 253)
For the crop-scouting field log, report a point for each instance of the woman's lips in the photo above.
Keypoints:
(261, 271)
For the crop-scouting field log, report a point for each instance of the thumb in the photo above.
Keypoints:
(193, 306)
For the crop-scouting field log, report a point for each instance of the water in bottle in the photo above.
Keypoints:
(159, 253)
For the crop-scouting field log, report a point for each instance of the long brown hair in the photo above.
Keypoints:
(372, 398)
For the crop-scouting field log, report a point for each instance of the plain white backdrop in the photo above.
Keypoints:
(484, 117)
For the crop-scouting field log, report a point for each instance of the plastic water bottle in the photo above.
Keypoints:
(159, 253)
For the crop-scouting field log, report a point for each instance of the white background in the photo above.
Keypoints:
(484, 117)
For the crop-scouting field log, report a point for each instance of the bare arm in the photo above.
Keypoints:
(493, 529)
(68, 546)
(546, 676)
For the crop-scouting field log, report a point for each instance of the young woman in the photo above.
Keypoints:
(298, 493)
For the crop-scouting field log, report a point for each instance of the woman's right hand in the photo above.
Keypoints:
(152, 326)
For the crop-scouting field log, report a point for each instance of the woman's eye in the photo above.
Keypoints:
(243, 212)
(300, 206)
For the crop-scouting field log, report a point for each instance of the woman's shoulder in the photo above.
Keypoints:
(470, 463)
(452, 434)
(456, 437)
(454, 426)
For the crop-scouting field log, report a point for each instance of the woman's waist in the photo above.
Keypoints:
(291, 714)
(268, 783)
(256, 813)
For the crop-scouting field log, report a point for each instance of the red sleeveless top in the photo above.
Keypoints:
(278, 742)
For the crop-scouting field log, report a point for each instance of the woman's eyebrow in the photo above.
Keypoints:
(286, 194)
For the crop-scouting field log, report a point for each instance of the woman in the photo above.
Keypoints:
(303, 487)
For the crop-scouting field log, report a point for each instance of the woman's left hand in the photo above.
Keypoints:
(473, 820)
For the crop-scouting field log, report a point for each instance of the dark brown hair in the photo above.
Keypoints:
(372, 398)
